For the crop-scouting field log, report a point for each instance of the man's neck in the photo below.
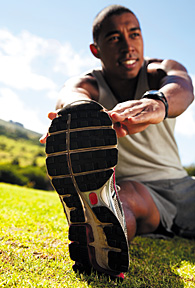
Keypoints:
(123, 90)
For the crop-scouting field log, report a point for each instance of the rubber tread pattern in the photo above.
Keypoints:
(80, 140)
(104, 215)
(86, 170)
(81, 162)
(79, 253)
(77, 233)
(87, 117)
(118, 261)
(115, 238)
(87, 182)
(93, 181)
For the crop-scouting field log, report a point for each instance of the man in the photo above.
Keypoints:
(142, 98)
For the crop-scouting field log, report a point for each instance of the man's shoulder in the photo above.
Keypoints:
(155, 72)
(84, 82)
(164, 64)
(86, 77)
(157, 69)
(153, 60)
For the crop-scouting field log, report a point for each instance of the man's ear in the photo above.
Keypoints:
(94, 50)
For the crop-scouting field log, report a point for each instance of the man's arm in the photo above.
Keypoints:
(177, 87)
(134, 116)
(78, 89)
(74, 89)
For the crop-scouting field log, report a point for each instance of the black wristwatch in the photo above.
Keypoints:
(157, 95)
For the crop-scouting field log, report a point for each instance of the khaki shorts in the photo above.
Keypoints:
(175, 200)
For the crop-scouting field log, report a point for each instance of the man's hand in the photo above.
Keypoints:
(131, 117)
(51, 116)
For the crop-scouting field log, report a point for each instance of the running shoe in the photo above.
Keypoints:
(81, 156)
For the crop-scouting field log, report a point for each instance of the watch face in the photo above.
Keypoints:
(152, 92)
(155, 92)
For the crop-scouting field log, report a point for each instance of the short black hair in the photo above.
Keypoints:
(105, 14)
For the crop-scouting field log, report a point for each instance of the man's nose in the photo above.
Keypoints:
(127, 45)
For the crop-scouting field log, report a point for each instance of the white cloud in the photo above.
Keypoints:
(53, 94)
(186, 122)
(38, 66)
(17, 73)
(12, 108)
(16, 56)
(26, 59)
(71, 63)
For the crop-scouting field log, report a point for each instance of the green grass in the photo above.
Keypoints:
(34, 249)
(25, 151)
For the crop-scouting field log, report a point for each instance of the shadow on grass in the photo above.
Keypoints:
(154, 263)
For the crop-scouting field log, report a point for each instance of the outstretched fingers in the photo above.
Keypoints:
(51, 116)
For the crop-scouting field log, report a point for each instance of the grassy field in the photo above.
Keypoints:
(22, 150)
(34, 249)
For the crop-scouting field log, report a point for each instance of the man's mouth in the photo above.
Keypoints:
(128, 62)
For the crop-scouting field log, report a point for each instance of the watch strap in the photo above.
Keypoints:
(157, 95)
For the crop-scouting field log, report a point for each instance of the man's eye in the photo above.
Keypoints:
(114, 38)
(135, 35)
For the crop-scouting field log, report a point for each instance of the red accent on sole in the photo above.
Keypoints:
(93, 198)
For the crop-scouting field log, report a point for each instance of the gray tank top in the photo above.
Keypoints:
(151, 154)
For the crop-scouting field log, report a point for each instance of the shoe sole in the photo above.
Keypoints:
(81, 156)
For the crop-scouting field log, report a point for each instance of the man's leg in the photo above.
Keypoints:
(141, 213)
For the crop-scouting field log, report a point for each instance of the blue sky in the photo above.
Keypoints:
(43, 43)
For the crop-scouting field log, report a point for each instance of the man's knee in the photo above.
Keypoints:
(136, 198)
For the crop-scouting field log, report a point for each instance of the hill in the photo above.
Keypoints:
(16, 130)
(22, 157)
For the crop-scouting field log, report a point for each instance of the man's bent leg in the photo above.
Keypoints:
(141, 213)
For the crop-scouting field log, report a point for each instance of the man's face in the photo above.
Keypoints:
(120, 46)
